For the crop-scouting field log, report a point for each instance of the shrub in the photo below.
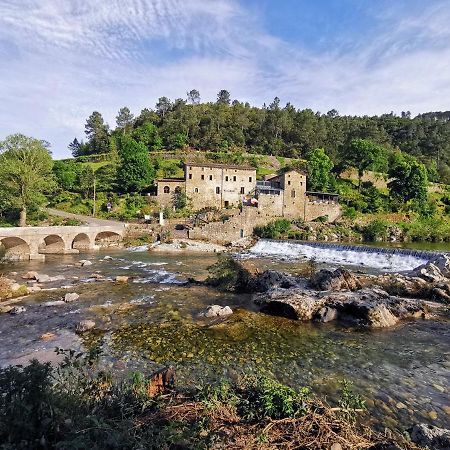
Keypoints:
(375, 230)
(228, 274)
(274, 229)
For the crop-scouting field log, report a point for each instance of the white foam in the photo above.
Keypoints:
(294, 250)
(138, 248)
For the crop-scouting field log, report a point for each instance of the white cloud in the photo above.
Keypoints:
(62, 60)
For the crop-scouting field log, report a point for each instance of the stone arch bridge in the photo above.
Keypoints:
(27, 243)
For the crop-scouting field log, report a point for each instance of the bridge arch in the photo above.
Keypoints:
(81, 242)
(107, 238)
(14, 249)
(53, 243)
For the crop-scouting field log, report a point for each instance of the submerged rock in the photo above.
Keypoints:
(335, 280)
(84, 325)
(431, 437)
(71, 297)
(30, 275)
(17, 310)
(217, 311)
(122, 279)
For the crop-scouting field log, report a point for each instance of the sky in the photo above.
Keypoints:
(62, 59)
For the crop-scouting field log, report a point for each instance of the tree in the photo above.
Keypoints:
(135, 170)
(223, 97)
(193, 96)
(319, 170)
(25, 172)
(97, 133)
(124, 119)
(163, 106)
(148, 134)
(409, 179)
(363, 155)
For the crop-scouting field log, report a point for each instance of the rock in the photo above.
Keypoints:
(436, 270)
(84, 325)
(107, 258)
(271, 279)
(71, 297)
(326, 314)
(17, 310)
(30, 276)
(430, 436)
(55, 303)
(85, 262)
(161, 381)
(122, 279)
(43, 278)
(47, 336)
(217, 311)
(328, 280)
(440, 295)
(32, 289)
(336, 446)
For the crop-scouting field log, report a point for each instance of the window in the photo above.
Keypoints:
(227, 204)
(210, 177)
(178, 190)
(242, 190)
(203, 177)
(166, 190)
(293, 193)
(196, 190)
(190, 176)
(234, 178)
(217, 190)
(301, 183)
(226, 178)
(289, 183)
(250, 179)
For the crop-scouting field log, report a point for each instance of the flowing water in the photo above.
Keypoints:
(154, 320)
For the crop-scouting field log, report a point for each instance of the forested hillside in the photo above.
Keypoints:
(274, 129)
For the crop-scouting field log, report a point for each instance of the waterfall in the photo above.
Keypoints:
(386, 259)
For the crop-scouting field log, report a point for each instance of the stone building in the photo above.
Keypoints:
(228, 186)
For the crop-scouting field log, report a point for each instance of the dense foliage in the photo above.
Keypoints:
(273, 129)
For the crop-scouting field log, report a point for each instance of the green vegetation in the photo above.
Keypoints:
(228, 274)
(273, 230)
(319, 171)
(25, 174)
(75, 405)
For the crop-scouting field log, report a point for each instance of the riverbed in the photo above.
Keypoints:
(153, 321)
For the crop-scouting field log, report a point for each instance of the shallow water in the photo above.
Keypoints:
(153, 320)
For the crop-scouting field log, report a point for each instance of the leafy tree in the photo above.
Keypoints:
(97, 133)
(223, 97)
(26, 172)
(163, 106)
(66, 174)
(409, 179)
(319, 170)
(135, 170)
(148, 134)
(364, 155)
(193, 96)
(124, 119)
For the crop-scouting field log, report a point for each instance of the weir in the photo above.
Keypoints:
(422, 254)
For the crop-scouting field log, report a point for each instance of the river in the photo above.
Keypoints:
(153, 320)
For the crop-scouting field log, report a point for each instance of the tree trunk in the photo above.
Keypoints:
(23, 217)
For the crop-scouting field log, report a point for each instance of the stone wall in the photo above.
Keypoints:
(166, 189)
(313, 210)
(239, 226)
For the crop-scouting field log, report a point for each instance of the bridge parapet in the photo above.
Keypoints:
(23, 243)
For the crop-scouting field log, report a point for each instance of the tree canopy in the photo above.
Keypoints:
(319, 170)
(26, 172)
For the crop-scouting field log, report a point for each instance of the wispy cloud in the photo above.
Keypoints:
(62, 60)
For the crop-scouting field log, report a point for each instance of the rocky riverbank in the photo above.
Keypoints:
(359, 300)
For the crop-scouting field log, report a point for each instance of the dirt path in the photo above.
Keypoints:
(91, 221)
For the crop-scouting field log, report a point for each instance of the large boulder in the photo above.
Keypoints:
(271, 279)
(71, 297)
(334, 280)
(430, 437)
(435, 271)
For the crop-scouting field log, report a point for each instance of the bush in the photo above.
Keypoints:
(375, 230)
(273, 230)
(228, 274)
(349, 212)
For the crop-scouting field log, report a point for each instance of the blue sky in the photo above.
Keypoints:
(60, 60)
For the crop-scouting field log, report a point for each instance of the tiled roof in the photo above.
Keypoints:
(219, 166)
